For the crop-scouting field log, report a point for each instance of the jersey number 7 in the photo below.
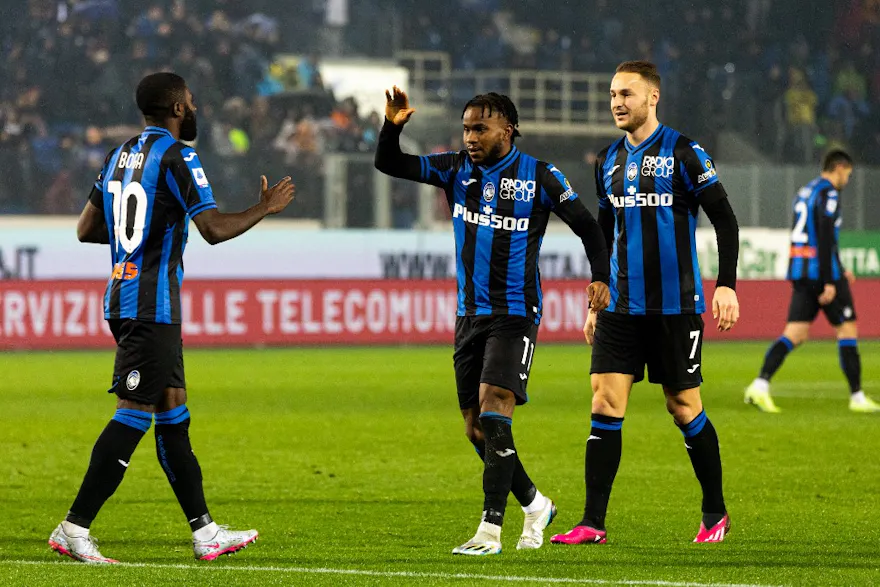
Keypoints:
(121, 205)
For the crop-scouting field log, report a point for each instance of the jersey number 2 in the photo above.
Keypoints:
(121, 199)
(798, 236)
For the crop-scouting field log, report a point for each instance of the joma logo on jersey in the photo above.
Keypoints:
(492, 220)
(658, 166)
(517, 189)
(130, 160)
(640, 200)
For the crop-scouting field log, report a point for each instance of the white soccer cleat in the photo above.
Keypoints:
(758, 394)
(225, 541)
(864, 405)
(533, 527)
(486, 541)
(80, 548)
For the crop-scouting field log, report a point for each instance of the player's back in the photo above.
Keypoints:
(814, 202)
(150, 187)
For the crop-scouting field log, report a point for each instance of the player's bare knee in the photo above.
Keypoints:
(608, 403)
(127, 404)
(607, 400)
(496, 399)
(797, 333)
(848, 330)
(174, 397)
(683, 407)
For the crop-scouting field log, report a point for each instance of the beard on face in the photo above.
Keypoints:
(637, 118)
(189, 128)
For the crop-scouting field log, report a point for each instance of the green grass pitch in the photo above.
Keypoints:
(353, 465)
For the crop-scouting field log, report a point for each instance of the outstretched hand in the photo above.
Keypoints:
(397, 108)
(278, 196)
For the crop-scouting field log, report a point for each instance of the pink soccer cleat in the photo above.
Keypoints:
(716, 533)
(580, 535)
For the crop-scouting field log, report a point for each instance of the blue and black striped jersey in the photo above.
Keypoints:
(655, 190)
(149, 189)
(814, 254)
(499, 216)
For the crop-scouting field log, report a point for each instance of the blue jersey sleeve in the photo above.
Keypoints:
(599, 172)
(187, 180)
(557, 189)
(437, 169)
(96, 197)
(697, 169)
(829, 202)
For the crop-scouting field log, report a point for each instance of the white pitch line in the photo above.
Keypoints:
(387, 574)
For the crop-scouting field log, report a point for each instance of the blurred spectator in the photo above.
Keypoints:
(800, 108)
(307, 72)
(850, 82)
(850, 111)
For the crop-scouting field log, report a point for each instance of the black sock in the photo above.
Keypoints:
(521, 487)
(180, 465)
(500, 462)
(775, 356)
(110, 458)
(851, 363)
(600, 467)
(701, 442)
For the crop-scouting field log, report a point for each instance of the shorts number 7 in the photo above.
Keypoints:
(695, 335)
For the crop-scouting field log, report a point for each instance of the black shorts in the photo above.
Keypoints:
(805, 302)
(496, 350)
(149, 359)
(671, 346)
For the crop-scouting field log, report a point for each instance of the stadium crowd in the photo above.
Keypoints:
(798, 80)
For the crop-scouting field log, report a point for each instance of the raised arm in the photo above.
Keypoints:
(436, 169)
(389, 158)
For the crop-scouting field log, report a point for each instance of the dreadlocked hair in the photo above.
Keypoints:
(494, 102)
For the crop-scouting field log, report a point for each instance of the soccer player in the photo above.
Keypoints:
(818, 281)
(500, 200)
(651, 185)
(141, 205)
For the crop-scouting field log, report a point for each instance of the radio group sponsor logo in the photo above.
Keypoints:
(658, 166)
(632, 171)
(487, 218)
(520, 190)
(489, 191)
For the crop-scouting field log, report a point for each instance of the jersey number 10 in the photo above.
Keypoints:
(121, 200)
